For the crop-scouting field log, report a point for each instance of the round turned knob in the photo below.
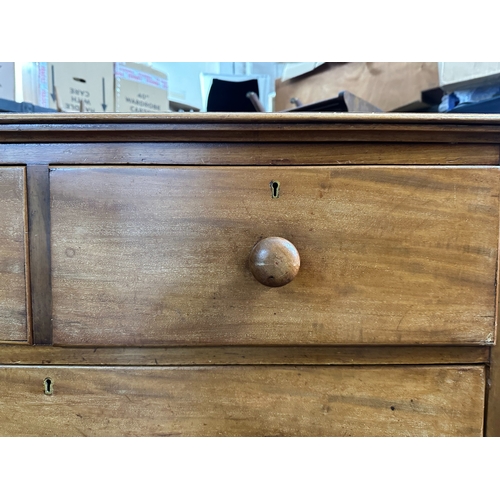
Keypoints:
(274, 261)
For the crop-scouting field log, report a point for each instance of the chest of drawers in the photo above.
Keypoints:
(213, 274)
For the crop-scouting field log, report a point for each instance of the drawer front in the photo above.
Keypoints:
(243, 401)
(13, 300)
(160, 256)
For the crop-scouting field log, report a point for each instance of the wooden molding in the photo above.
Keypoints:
(39, 250)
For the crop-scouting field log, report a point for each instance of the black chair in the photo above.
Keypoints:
(231, 96)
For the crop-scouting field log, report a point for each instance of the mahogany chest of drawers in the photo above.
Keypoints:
(249, 274)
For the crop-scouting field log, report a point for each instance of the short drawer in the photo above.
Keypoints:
(242, 401)
(13, 234)
(160, 256)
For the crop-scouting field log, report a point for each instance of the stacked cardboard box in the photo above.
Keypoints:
(81, 86)
(140, 89)
(96, 87)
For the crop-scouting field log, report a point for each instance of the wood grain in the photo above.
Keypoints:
(14, 325)
(493, 394)
(471, 119)
(492, 413)
(235, 153)
(319, 134)
(260, 127)
(39, 230)
(274, 261)
(388, 256)
(243, 355)
(243, 401)
(493, 383)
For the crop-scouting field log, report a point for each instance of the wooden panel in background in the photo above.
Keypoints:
(14, 326)
(388, 255)
(243, 401)
(387, 85)
(241, 355)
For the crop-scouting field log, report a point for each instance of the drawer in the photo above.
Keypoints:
(13, 231)
(160, 256)
(243, 401)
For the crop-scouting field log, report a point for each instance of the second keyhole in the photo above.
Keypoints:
(48, 386)
(275, 189)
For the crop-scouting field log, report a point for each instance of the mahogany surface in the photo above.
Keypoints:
(125, 241)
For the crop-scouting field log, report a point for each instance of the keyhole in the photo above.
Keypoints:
(48, 386)
(275, 189)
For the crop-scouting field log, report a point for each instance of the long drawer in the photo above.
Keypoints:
(242, 401)
(160, 256)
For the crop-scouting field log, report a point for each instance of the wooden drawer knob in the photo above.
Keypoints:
(274, 261)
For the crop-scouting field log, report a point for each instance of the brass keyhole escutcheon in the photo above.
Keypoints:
(275, 189)
(48, 386)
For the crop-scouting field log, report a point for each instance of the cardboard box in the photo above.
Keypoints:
(140, 89)
(293, 70)
(467, 75)
(7, 81)
(35, 84)
(91, 83)
(12, 83)
(387, 86)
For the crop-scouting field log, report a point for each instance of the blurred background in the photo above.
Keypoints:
(162, 87)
